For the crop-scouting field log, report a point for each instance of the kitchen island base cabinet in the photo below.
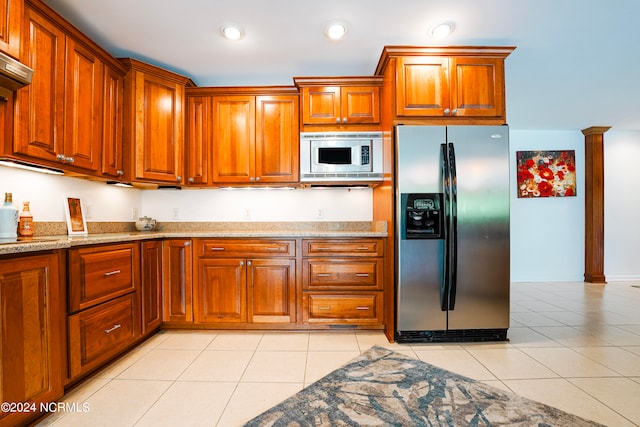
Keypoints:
(31, 323)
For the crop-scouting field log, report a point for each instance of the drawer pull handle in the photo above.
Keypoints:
(217, 248)
(277, 248)
(116, 326)
(362, 307)
(322, 249)
(323, 275)
(362, 248)
(324, 307)
(111, 273)
(362, 274)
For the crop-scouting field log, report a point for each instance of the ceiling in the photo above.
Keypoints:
(576, 63)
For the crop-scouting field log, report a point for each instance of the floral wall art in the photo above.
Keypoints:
(546, 173)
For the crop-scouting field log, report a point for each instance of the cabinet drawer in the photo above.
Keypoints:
(246, 248)
(101, 273)
(343, 247)
(100, 332)
(334, 273)
(343, 308)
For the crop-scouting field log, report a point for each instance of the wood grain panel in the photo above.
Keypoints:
(177, 281)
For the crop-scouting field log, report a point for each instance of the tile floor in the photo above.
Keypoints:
(575, 346)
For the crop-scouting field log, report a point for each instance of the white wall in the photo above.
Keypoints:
(622, 205)
(46, 193)
(335, 204)
(547, 234)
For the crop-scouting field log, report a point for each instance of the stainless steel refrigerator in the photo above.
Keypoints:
(452, 236)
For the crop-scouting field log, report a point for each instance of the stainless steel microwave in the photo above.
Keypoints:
(340, 156)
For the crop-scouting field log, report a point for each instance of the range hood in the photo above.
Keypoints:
(13, 75)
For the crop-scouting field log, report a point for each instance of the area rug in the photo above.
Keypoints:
(385, 388)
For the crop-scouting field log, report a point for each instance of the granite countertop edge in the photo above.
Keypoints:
(43, 243)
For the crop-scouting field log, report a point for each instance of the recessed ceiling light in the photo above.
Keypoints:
(442, 30)
(335, 30)
(232, 32)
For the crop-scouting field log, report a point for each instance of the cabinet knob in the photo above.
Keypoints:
(447, 111)
(191, 180)
(251, 178)
(178, 178)
(119, 172)
(454, 112)
(187, 243)
(249, 263)
(344, 120)
(61, 157)
(337, 119)
(257, 178)
(241, 262)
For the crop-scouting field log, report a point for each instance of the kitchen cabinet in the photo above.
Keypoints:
(340, 101)
(151, 285)
(255, 138)
(104, 307)
(198, 139)
(177, 281)
(60, 116)
(342, 281)
(31, 333)
(10, 26)
(112, 117)
(464, 85)
(154, 123)
(246, 281)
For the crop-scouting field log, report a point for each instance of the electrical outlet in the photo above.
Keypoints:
(88, 210)
(175, 213)
(320, 213)
(134, 213)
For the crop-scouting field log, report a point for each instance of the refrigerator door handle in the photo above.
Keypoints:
(446, 192)
(453, 232)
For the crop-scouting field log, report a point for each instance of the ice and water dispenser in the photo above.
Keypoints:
(422, 216)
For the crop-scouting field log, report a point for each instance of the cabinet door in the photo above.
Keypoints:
(30, 331)
(477, 87)
(233, 139)
(360, 104)
(112, 111)
(277, 139)
(177, 281)
(422, 86)
(271, 290)
(198, 139)
(151, 285)
(39, 106)
(321, 105)
(159, 127)
(83, 106)
(10, 21)
(221, 291)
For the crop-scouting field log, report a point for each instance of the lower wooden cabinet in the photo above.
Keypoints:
(177, 281)
(151, 285)
(342, 282)
(356, 308)
(31, 325)
(101, 332)
(245, 281)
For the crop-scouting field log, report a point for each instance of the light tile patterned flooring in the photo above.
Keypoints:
(574, 346)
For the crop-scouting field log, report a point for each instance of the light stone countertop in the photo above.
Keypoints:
(204, 230)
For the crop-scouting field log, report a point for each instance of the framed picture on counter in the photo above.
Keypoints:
(74, 211)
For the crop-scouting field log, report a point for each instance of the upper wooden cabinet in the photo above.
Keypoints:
(462, 85)
(339, 102)
(154, 123)
(10, 26)
(245, 135)
(62, 117)
(112, 116)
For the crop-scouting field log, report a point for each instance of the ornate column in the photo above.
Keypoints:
(594, 204)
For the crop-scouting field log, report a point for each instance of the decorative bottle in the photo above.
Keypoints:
(8, 219)
(25, 223)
